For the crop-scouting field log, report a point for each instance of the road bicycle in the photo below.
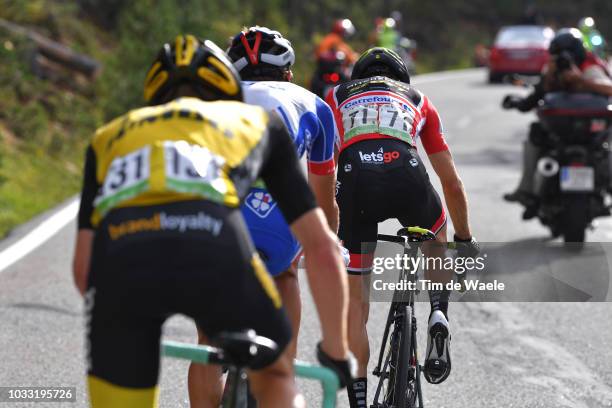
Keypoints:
(237, 351)
(398, 368)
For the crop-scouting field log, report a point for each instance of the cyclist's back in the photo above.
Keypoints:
(307, 117)
(380, 174)
(383, 108)
(218, 136)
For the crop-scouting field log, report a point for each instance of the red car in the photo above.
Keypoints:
(521, 49)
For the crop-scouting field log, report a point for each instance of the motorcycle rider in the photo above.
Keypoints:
(387, 34)
(571, 68)
(531, 15)
(335, 41)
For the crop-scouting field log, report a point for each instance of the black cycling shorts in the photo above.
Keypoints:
(192, 258)
(379, 180)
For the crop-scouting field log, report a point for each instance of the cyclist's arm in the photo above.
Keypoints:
(594, 79)
(85, 236)
(454, 193)
(321, 167)
(329, 99)
(327, 280)
(324, 189)
(82, 257)
(432, 137)
(326, 276)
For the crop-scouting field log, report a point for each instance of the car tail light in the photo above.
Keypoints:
(495, 53)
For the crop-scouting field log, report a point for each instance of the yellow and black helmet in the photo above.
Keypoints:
(199, 63)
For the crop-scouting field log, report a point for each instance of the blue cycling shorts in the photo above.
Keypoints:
(269, 231)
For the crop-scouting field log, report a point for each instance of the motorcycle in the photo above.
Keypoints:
(572, 177)
(331, 70)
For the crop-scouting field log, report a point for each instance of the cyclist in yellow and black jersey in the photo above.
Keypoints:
(184, 150)
(160, 231)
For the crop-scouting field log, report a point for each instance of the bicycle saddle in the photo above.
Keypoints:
(416, 234)
(245, 349)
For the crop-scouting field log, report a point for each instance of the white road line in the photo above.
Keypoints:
(38, 235)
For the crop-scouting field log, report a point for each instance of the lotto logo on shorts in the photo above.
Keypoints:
(261, 203)
(379, 157)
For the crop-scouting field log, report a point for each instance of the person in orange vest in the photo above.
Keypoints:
(335, 41)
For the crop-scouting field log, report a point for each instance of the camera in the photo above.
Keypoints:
(564, 61)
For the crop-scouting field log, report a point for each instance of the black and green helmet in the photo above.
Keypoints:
(381, 61)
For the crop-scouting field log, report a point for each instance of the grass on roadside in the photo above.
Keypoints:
(31, 182)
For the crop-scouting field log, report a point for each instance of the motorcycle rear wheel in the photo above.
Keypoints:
(575, 219)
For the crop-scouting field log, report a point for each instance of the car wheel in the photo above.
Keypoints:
(495, 77)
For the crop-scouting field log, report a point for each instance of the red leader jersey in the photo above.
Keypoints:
(382, 108)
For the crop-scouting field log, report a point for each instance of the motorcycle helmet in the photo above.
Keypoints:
(389, 23)
(199, 63)
(569, 40)
(261, 52)
(586, 24)
(381, 61)
(344, 27)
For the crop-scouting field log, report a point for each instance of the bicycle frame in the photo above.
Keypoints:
(398, 309)
(210, 355)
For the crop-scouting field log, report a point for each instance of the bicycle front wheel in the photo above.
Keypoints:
(402, 396)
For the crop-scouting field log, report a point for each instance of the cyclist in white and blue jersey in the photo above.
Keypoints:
(264, 58)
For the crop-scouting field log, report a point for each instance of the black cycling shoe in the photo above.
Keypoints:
(520, 197)
(437, 359)
(530, 212)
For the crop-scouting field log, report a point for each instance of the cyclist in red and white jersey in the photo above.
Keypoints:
(380, 116)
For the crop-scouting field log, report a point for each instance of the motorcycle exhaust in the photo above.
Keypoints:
(548, 167)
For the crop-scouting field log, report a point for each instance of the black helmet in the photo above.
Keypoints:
(569, 40)
(259, 51)
(199, 63)
(381, 61)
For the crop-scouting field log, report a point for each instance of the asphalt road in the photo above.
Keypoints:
(504, 354)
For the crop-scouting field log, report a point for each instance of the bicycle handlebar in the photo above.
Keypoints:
(329, 380)
(192, 352)
(403, 237)
(211, 355)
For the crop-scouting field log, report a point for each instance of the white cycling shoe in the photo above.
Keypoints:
(437, 359)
